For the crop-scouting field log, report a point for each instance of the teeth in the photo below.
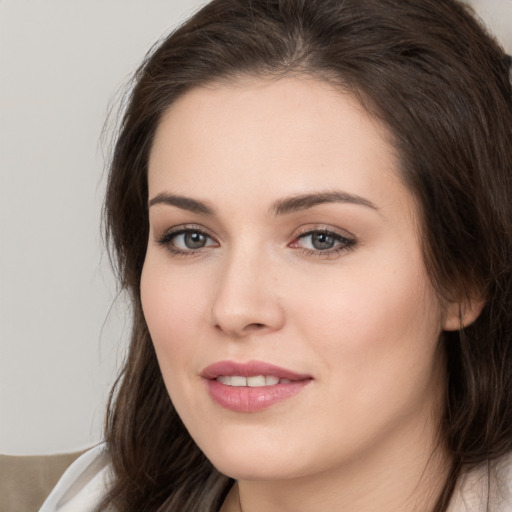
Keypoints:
(238, 381)
(256, 382)
(252, 382)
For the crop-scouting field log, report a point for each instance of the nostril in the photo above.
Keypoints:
(245, 330)
(255, 326)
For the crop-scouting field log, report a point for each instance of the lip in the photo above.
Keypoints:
(252, 399)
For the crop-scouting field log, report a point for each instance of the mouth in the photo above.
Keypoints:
(252, 386)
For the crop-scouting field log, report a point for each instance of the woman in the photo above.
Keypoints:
(310, 206)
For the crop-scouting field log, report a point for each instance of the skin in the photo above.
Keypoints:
(362, 319)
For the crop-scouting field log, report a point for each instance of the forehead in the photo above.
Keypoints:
(286, 136)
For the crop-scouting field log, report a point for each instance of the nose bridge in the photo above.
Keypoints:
(246, 299)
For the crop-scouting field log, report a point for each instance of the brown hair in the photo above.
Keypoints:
(441, 85)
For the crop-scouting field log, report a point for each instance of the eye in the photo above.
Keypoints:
(186, 240)
(190, 240)
(323, 242)
(320, 241)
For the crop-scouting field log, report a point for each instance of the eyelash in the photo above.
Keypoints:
(344, 243)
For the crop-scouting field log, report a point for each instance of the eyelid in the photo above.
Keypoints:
(308, 228)
(323, 228)
(183, 228)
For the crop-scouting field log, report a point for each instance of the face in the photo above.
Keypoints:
(284, 286)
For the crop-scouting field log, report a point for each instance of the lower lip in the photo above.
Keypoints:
(247, 399)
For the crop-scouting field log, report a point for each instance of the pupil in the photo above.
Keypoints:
(322, 241)
(195, 240)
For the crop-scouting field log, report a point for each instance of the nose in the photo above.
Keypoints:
(247, 296)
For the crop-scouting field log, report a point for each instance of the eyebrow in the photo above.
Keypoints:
(185, 203)
(303, 202)
(281, 207)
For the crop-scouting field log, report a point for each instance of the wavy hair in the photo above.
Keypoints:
(441, 85)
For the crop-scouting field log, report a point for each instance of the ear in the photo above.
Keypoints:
(461, 314)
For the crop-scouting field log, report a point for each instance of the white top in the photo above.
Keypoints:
(85, 482)
(486, 488)
(83, 485)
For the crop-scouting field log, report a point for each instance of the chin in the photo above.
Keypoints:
(256, 469)
(251, 461)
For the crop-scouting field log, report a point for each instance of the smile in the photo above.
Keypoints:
(253, 386)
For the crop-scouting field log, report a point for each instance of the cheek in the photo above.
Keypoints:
(173, 306)
(375, 341)
(374, 328)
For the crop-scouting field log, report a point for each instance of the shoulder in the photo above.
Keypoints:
(83, 485)
(485, 487)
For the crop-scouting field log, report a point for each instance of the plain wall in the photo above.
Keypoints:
(61, 63)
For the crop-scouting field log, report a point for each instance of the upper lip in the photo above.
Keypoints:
(250, 369)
